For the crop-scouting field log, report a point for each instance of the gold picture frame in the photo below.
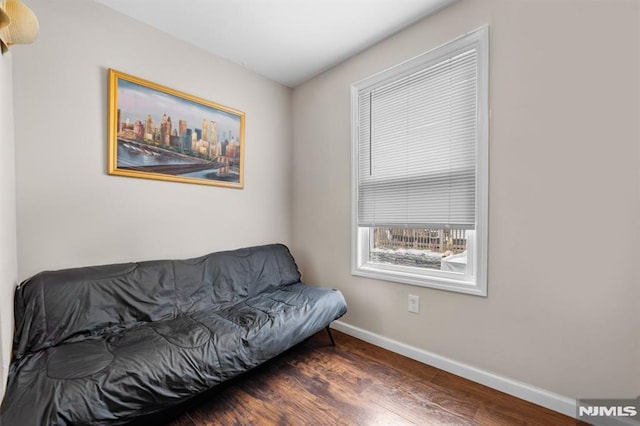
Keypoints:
(204, 144)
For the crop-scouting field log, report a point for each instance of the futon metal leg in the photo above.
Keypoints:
(333, 342)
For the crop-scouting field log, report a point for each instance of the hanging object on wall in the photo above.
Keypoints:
(156, 132)
(4, 19)
(18, 24)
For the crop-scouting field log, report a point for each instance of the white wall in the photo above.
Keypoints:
(70, 212)
(564, 198)
(8, 249)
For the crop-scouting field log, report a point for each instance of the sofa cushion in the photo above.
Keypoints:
(73, 304)
(226, 278)
(78, 360)
(182, 331)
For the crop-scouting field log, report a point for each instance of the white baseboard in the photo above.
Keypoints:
(518, 389)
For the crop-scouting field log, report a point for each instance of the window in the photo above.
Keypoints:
(419, 162)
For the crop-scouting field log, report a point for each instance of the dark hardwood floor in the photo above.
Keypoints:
(355, 383)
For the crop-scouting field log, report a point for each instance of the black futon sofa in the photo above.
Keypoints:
(105, 344)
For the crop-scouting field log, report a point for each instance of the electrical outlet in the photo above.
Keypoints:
(414, 304)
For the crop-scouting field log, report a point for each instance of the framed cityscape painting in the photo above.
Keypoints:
(160, 133)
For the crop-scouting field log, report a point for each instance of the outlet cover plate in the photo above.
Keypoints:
(414, 304)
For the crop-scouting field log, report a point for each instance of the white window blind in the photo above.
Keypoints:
(417, 147)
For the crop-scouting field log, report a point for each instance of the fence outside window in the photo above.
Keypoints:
(436, 240)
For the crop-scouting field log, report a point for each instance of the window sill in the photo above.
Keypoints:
(423, 279)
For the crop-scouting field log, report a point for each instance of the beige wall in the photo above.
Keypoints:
(564, 198)
(8, 251)
(70, 212)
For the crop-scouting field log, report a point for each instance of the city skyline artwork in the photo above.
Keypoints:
(160, 133)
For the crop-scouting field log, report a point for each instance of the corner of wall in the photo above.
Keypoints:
(8, 239)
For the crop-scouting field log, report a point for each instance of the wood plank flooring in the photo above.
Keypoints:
(355, 383)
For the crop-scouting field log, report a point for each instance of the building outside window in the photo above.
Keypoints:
(420, 169)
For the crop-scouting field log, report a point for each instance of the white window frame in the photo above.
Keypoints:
(475, 280)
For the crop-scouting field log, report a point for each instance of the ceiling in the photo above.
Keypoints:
(289, 41)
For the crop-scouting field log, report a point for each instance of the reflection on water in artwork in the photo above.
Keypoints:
(132, 154)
